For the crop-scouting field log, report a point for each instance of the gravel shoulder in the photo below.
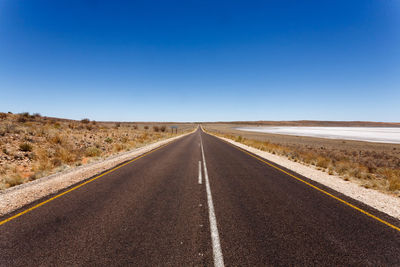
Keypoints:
(380, 201)
(16, 197)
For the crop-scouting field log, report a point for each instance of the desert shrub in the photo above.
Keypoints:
(3, 115)
(56, 139)
(156, 128)
(85, 120)
(65, 155)
(142, 138)
(56, 125)
(322, 162)
(37, 115)
(118, 147)
(146, 127)
(117, 125)
(108, 140)
(14, 180)
(356, 172)
(3, 131)
(42, 161)
(25, 114)
(342, 167)
(56, 162)
(21, 119)
(93, 152)
(135, 127)
(394, 184)
(393, 178)
(25, 147)
(162, 128)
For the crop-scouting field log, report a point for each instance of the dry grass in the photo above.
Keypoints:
(370, 164)
(32, 146)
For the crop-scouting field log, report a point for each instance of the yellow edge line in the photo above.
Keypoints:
(80, 185)
(319, 189)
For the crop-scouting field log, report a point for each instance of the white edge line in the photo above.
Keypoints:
(216, 245)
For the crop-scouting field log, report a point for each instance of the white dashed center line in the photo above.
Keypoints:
(200, 179)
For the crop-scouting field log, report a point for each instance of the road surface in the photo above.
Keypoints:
(199, 201)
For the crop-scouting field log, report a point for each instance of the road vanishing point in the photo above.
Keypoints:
(199, 201)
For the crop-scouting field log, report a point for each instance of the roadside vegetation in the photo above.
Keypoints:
(32, 146)
(372, 168)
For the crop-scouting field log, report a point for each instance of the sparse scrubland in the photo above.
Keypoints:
(373, 165)
(32, 146)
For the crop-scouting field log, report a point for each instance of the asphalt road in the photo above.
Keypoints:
(157, 211)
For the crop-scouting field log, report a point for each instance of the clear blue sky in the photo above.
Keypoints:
(201, 60)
